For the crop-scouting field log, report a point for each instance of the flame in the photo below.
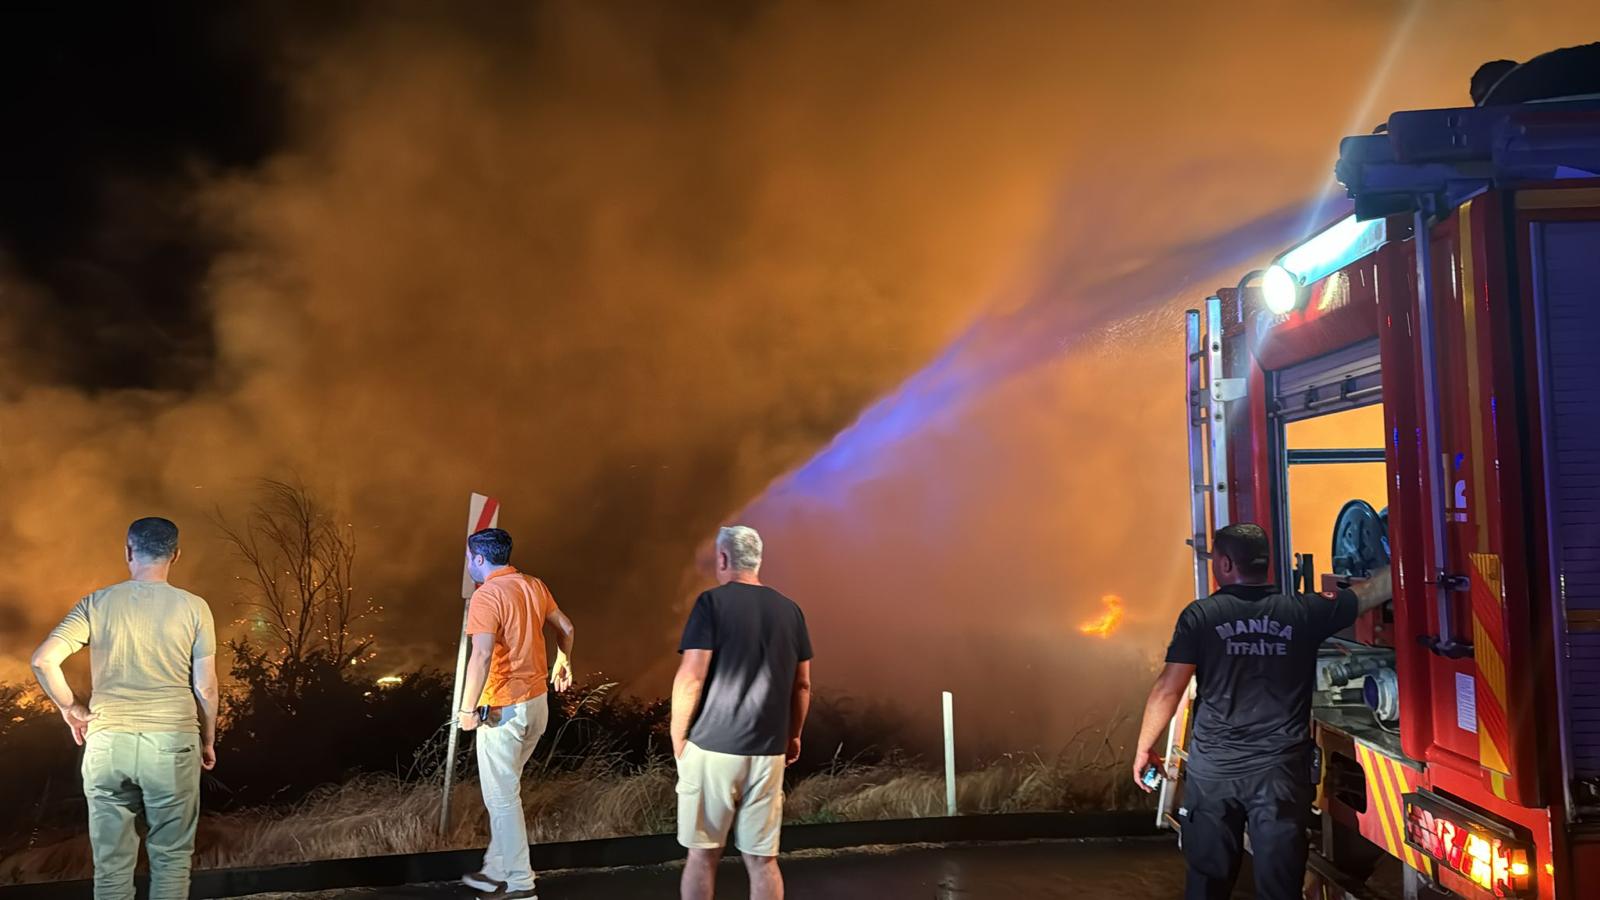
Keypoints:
(1107, 623)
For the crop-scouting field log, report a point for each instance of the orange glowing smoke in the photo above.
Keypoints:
(1107, 623)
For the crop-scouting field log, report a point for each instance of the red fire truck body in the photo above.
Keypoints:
(1459, 726)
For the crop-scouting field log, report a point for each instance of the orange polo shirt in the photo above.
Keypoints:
(512, 607)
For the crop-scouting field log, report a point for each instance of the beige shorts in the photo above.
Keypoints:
(720, 791)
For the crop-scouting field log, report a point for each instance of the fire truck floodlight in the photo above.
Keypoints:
(1283, 286)
(1280, 290)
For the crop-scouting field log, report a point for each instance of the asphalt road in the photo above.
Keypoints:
(1138, 869)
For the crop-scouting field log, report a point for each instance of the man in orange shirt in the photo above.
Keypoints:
(506, 674)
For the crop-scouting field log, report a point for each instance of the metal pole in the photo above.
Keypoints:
(1216, 416)
(483, 512)
(455, 732)
(1199, 535)
(1201, 398)
(1426, 329)
(949, 755)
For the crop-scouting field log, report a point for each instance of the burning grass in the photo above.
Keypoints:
(1105, 625)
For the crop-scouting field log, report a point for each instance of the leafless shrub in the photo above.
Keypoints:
(300, 586)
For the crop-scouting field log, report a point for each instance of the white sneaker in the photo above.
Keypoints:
(481, 882)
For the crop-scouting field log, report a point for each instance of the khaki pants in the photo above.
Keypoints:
(157, 775)
(504, 745)
(722, 792)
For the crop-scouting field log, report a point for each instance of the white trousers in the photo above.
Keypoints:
(504, 745)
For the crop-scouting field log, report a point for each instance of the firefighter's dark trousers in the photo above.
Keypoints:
(1274, 805)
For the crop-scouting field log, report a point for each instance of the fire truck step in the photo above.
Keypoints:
(1334, 876)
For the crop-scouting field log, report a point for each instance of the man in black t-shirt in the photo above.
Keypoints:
(1252, 651)
(739, 702)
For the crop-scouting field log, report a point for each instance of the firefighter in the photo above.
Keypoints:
(1252, 650)
(1487, 76)
(1567, 72)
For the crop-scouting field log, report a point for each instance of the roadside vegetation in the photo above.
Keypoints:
(603, 770)
(319, 758)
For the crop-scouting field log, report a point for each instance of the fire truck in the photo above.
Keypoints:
(1417, 385)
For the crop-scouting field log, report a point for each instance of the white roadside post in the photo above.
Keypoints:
(482, 512)
(949, 754)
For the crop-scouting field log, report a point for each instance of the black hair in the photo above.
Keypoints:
(1247, 546)
(494, 544)
(153, 539)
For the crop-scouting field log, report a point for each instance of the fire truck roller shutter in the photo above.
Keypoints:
(1343, 379)
(1566, 266)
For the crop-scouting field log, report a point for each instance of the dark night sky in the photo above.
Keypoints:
(111, 111)
(114, 111)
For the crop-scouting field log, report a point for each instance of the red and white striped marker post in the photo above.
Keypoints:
(482, 512)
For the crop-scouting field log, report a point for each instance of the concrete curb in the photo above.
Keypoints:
(420, 868)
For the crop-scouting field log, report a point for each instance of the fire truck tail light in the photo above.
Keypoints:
(1484, 852)
(1281, 290)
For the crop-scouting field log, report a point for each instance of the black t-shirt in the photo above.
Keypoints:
(757, 637)
(1255, 653)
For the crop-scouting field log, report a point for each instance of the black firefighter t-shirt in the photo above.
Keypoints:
(1254, 650)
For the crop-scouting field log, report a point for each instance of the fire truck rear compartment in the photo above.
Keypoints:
(1331, 492)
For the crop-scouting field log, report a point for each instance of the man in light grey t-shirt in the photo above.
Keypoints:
(151, 722)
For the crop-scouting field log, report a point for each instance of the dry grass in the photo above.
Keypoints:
(375, 816)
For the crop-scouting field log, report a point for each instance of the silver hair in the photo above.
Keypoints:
(742, 545)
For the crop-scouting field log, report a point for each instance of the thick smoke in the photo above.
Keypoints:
(974, 519)
(623, 267)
